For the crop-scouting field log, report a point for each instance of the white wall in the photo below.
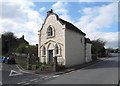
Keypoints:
(59, 36)
(74, 49)
(59, 31)
(88, 52)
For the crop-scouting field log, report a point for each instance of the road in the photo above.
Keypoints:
(11, 75)
(104, 72)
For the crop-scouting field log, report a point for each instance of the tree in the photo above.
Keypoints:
(112, 50)
(21, 48)
(98, 48)
(9, 41)
(24, 48)
(33, 50)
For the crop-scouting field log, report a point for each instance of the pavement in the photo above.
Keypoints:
(76, 67)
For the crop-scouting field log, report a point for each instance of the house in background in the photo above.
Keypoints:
(60, 38)
(22, 40)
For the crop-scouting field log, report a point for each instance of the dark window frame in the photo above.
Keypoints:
(50, 31)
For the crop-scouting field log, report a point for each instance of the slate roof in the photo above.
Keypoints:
(22, 40)
(71, 26)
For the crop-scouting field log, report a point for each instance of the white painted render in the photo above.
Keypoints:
(49, 43)
(71, 44)
(74, 49)
(88, 52)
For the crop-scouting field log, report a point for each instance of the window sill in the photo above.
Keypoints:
(50, 37)
(58, 55)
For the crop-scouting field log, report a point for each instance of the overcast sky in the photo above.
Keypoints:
(97, 19)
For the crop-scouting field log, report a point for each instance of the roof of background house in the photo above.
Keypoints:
(68, 24)
(22, 40)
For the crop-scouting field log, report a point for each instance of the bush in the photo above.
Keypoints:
(21, 48)
(38, 64)
(45, 67)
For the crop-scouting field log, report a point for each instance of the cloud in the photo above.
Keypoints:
(19, 17)
(61, 9)
(98, 0)
(14, 8)
(111, 38)
(96, 19)
(59, 4)
(42, 9)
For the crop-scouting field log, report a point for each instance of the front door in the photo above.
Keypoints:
(50, 56)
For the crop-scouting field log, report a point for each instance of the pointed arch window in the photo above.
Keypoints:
(57, 49)
(44, 51)
(50, 31)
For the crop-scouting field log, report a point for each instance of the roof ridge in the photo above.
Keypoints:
(72, 26)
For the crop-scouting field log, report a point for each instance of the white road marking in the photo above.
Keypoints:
(44, 77)
(21, 70)
(56, 76)
(16, 73)
(37, 80)
(1, 67)
(33, 80)
(27, 83)
(21, 82)
(0, 83)
(24, 71)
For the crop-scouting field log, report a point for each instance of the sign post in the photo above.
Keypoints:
(55, 65)
(28, 61)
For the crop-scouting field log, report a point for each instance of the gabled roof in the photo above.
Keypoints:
(71, 26)
(22, 40)
(68, 24)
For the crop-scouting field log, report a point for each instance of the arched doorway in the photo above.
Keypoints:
(50, 56)
(50, 53)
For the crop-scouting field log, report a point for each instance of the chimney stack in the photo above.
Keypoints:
(49, 12)
(22, 37)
